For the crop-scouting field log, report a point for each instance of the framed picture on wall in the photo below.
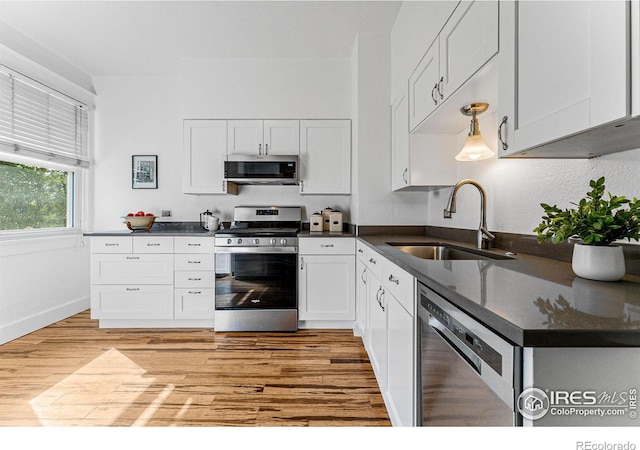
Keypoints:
(144, 172)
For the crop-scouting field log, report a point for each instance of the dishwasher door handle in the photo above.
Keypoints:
(454, 343)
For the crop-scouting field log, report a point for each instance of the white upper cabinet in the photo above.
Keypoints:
(400, 162)
(325, 156)
(263, 137)
(204, 153)
(565, 72)
(468, 40)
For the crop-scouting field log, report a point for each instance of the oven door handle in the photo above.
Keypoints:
(258, 250)
(456, 345)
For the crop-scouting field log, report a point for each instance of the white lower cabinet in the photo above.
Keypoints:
(390, 332)
(326, 275)
(362, 280)
(141, 279)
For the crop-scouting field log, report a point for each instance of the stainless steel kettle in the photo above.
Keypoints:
(204, 219)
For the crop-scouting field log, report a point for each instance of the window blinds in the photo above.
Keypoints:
(41, 122)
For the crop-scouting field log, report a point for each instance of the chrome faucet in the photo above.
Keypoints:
(484, 236)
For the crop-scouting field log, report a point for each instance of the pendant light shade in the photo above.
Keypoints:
(475, 148)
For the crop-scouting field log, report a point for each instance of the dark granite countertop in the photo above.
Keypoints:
(529, 300)
(159, 229)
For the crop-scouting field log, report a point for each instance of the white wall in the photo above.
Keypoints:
(515, 188)
(143, 115)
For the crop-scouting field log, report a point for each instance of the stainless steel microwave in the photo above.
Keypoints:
(261, 169)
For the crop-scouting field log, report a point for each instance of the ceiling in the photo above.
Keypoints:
(143, 37)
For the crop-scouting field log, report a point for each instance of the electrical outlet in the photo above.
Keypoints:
(166, 213)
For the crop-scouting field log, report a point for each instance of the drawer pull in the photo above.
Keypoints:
(394, 279)
(132, 257)
(132, 289)
(194, 262)
(111, 244)
(195, 292)
(193, 245)
(194, 279)
(372, 261)
(326, 245)
(153, 244)
(360, 250)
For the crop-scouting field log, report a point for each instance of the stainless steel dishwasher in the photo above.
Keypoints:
(469, 375)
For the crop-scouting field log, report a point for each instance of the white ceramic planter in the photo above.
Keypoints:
(600, 263)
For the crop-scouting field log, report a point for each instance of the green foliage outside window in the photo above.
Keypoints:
(33, 197)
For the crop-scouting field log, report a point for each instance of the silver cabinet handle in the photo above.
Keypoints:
(109, 244)
(440, 88)
(132, 289)
(433, 96)
(132, 257)
(372, 261)
(364, 272)
(360, 250)
(195, 292)
(301, 263)
(404, 176)
(502, 141)
(301, 186)
(379, 297)
(194, 279)
(259, 149)
(326, 245)
(394, 279)
(266, 149)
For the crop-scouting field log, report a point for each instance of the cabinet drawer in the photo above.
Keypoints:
(373, 261)
(153, 244)
(191, 279)
(194, 261)
(132, 302)
(194, 303)
(326, 246)
(193, 244)
(400, 284)
(111, 244)
(361, 250)
(131, 269)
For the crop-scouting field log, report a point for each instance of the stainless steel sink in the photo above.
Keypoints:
(439, 251)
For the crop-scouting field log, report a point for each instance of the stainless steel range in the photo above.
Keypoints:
(256, 277)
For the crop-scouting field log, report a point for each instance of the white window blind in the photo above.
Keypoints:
(40, 122)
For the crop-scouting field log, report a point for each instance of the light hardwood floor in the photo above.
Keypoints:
(73, 373)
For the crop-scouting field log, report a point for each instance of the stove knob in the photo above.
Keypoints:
(273, 241)
(239, 241)
(256, 241)
(283, 241)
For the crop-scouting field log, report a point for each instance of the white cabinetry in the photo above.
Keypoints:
(152, 281)
(134, 284)
(362, 284)
(203, 154)
(194, 277)
(400, 162)
(325, 156)
(390, 333)
(565, 78)
(467, 41)
(263, 137)
(327, 280)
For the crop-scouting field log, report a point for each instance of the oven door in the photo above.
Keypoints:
(255, 280)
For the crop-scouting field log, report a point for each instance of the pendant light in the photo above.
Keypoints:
(475, 148)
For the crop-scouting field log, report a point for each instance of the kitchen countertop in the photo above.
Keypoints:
(159, 229)
(529, 300)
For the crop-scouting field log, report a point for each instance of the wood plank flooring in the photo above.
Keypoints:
(73, 373)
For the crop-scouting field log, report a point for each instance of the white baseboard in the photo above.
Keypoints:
(42, 319)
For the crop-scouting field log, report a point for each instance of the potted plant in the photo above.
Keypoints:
(597, 223)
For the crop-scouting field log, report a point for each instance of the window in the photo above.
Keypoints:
(44, 148)
(34, 197)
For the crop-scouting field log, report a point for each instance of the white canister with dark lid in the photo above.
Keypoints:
(316, 222)
(326, 219)
(335, 219)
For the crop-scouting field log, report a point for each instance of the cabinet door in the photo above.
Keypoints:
(327, 287)
(361, 299)
(194, 303)
(400, 161)
(401, 369)
(462, 51)
(244, 137)
(563, 69)
(204, 153)
(132, 301)
(281, 137)
(377, 336)
(131, 269)
(325, 156)
(423, 87)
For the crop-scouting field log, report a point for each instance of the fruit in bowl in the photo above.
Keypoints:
(140, 221)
